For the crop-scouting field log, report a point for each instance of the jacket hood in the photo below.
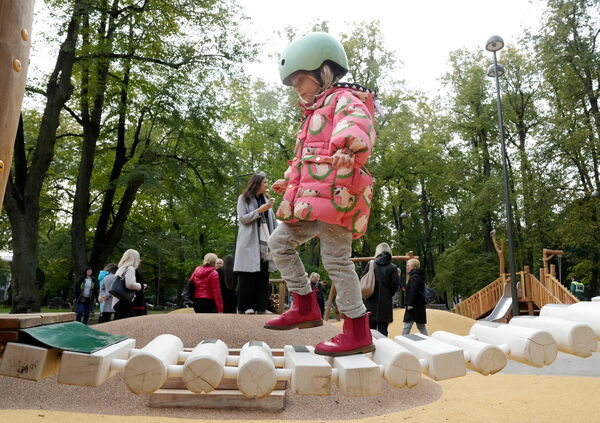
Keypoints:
(383, 259)
(204, 270)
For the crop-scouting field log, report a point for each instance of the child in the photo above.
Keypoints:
(415, 302)
(326, 190)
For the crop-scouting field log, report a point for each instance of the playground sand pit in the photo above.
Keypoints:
(473, 398)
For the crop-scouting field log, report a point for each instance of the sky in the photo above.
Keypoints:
(422, 33)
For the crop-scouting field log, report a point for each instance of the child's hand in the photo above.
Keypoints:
(342, 160)
(279, 186)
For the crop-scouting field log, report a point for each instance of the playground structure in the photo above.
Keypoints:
(212, 375)
(16, 18)
(533, 293)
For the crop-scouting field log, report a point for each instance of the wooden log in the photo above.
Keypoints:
(222, 399)
(439, 360)
(400, 367)
(92, 369)
(356, 375)
(311, 373)
(147, 371)
(571, 337)
(481, 357)
(529, 346)
(203, 369)
(586, 315)
(29, 362)
(16, 18)
(256, 374)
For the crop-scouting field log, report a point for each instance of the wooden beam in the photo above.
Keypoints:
(222, 399)
(311, 373)
(29, 362)
(92, 369)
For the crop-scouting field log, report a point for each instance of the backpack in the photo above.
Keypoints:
(367, 282)
(428, 294)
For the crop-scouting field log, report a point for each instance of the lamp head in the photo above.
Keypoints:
(495, 71)
(596, 193)
(403, 215)
(494, 43)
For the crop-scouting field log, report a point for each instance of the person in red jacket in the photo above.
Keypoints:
(207, 288)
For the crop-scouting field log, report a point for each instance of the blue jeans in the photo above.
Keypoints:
(83, 312)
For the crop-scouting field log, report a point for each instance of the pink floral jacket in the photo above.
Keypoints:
(340, 121)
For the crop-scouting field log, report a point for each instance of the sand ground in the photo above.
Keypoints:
(473, 398)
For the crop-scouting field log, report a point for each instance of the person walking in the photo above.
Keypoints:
(253, 261)
(207, 289)
(105, 296)
(326, 189)
(316, 285)
(86, 292)
(127, 267)
(414, 311)
(228, 282)
(387, 282)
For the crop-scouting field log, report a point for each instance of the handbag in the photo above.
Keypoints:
(367, 282)
(119, 290)
(428, 294)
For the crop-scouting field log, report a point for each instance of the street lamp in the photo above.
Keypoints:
(494, 44)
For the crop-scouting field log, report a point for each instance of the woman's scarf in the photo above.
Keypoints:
(263, 230)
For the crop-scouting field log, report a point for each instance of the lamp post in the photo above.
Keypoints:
(494, 44)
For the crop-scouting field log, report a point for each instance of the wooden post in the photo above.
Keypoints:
(204, 367)
(256, 375)
(499, 251)
(146, 371)
(16, 18)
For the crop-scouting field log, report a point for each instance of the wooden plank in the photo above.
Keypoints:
(226, 384)
(9, 336)
(92, 369)
(224, 399)
(19, 321)
(29, 362)
(51, 318)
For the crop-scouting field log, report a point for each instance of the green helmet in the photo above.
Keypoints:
(309, 53)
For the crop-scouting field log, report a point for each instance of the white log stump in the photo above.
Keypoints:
(147, 371)
(529, 346)
(29, 362)
(356, 375)
(92, 369)
(571, 337)
(256, 373)
(203, 368)
(441, 360)
(586, 315)
(480, 357)
(311, 373)
(400, 367)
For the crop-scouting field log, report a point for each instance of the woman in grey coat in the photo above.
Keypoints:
(253, 260)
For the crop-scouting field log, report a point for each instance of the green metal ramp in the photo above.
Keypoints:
(72, 336)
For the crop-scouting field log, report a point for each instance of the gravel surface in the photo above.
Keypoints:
(113, 398)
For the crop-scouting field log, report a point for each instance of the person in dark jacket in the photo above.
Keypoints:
(387, 282)
(207, 289)
(228, 283)
(317, 285)
(139, 302)
(87, 288)
(414, 302)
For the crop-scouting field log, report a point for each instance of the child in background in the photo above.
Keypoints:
(326, 191)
